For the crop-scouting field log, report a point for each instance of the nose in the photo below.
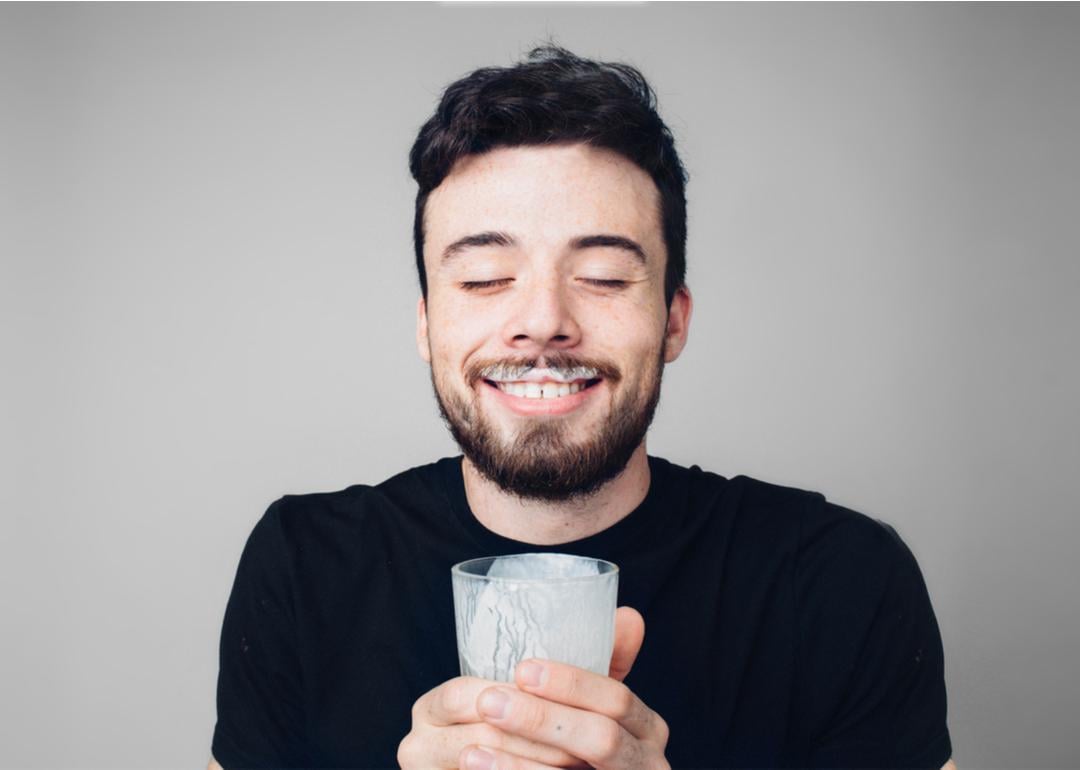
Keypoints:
(543, 319)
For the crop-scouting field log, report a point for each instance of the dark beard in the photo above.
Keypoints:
(539, 464)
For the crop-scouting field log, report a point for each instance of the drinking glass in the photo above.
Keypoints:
(535, 605)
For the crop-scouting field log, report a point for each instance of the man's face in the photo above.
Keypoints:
(545, 323)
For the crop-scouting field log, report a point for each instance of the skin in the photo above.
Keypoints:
(545, 198)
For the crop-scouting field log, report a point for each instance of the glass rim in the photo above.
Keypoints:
(458, 570)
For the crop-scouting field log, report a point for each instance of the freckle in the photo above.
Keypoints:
(558, 728)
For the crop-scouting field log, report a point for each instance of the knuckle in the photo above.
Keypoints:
(450, 696)
(606, 743)
(624, 703)
(571, 686)
(555, 757)
(664, 732)
(489, 735)
(533, 719)
(405, 751)
(658, 762)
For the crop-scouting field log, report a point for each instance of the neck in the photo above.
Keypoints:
(540, 522)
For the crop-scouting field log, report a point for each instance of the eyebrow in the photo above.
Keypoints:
(488, 238)
(612, 241)
(493, 238)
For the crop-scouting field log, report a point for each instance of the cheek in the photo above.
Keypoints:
(628, 335)
(630, 318)
(455, 338)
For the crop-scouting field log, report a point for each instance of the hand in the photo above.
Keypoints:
(445, 721)
(586, 715)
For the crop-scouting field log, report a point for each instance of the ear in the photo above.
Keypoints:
(423, 345)
(678, 323)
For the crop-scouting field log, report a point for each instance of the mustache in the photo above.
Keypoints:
(565, 366)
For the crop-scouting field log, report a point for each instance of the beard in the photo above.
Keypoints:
(540, 462)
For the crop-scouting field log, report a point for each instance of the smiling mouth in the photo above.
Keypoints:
(543, 390)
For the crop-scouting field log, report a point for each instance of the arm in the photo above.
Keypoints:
(872, 657)
(260, 711)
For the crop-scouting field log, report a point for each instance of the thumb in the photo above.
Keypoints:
(629, 634)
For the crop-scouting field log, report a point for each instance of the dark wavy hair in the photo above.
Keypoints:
(554, 97)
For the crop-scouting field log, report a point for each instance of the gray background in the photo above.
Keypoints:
(208, 298)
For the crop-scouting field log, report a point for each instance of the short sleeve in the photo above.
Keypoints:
(871, 659)
(260, 718)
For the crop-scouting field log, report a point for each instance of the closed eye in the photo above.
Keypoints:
(605, 283)
(476, 285)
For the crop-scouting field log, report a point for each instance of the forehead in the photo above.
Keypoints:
(544, 193)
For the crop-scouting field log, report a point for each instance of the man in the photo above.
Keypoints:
(762, 626)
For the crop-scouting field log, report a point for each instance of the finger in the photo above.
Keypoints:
(452, 702)
(442, 746)
(629, 635)
(488, 758)
(589, 691)
(596, 738)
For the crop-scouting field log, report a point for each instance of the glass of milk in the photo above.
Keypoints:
(534, 605)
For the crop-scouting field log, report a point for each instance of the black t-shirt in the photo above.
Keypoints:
(780, 630)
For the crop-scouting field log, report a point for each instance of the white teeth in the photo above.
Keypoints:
(538, 390)
(501, 373)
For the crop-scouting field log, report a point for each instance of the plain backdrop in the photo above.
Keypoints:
(207, 300)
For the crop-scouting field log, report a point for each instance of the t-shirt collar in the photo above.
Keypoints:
(608, 544)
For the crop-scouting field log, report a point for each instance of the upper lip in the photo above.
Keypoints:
(546, 375)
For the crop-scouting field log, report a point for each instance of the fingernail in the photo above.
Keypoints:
(478, 759)
(493, 703)
(530, 673)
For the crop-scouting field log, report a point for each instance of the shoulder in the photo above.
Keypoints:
(319, 519)
(822, 531)
(796, 525)
(839, 547)
(853, 574)
(748, 498)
